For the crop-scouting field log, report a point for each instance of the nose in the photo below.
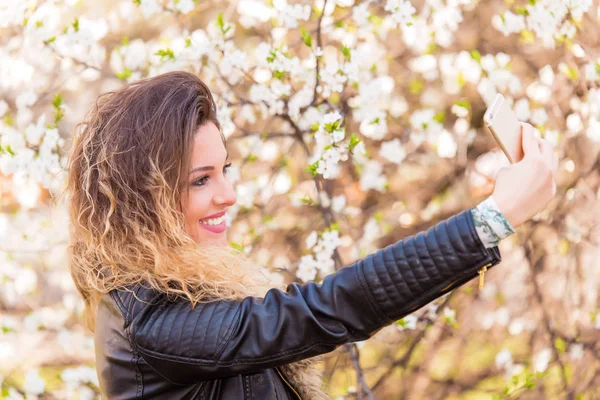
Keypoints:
(226, 195)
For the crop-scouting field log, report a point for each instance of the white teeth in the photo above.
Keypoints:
(214, 221)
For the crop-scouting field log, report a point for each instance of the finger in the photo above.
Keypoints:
(540, 142)
(548, 153)
(530, 145)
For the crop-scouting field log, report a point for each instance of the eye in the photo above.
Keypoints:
(202, 181)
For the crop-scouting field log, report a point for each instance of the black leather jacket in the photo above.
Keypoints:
(150, 348)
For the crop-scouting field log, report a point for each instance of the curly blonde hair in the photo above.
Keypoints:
(127, 175)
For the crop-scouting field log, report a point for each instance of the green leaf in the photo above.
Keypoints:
(306, 201)
(237, 246)
(334, 226)
(278, 74)
(39, 24)
(527, 36)
(521, 10)
(416, 86)
(9, 150)
(463, 103)
(476, 55)
(124, 75)
(188, 42)
(48, 41)
(57, 102)
(346, 52)
(332, 126)
(124, 41)
(76, 24)
(560, 345)
(401, 322)
(165, 53)
(272, 56)
(529, 385)
(306, 38)
(432, 48)
(312, 168)
(222, 25)
(138, 2)
(440, 117)
(570, 72)
(375, 20)
(354, 141)
(58, 116)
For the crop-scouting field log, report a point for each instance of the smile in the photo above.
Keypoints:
(216, 225)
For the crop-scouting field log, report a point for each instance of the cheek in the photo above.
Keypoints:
(196, 206)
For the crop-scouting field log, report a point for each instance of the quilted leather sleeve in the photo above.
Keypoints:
(224, 338)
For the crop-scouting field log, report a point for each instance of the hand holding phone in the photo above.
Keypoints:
(523, 189)
(503, 124)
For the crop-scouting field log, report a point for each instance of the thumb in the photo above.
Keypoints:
(529, 142)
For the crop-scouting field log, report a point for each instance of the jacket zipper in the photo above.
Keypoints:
(287, 383)
(481, 273)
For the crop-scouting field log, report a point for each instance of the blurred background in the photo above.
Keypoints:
(351, 125)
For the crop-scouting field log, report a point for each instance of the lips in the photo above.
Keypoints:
(214, 228)
(217, 215)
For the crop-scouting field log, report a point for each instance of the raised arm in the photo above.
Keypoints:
(224, 338)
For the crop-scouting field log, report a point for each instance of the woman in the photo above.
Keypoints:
(179, 314)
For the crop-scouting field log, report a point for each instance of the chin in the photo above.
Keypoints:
(221, 239)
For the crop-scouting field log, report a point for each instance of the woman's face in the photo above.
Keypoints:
(210, 191)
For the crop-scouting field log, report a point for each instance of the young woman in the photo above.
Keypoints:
(178, 314)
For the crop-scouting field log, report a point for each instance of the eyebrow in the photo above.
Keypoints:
(207, 168)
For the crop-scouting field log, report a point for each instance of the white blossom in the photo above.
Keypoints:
(576, 351)
(184, 6)
(3, 108)
(509, 23)
(504, 359)
(541, 359)
(393, 151)
(150, 7)
(401, 10)
(34, 384)
(446, 146)
(372, 177)
(410, 322)
(311, 240)
(574, 123)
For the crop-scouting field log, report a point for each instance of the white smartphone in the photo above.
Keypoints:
(504, 126)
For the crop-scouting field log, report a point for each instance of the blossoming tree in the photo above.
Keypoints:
(353, 123)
